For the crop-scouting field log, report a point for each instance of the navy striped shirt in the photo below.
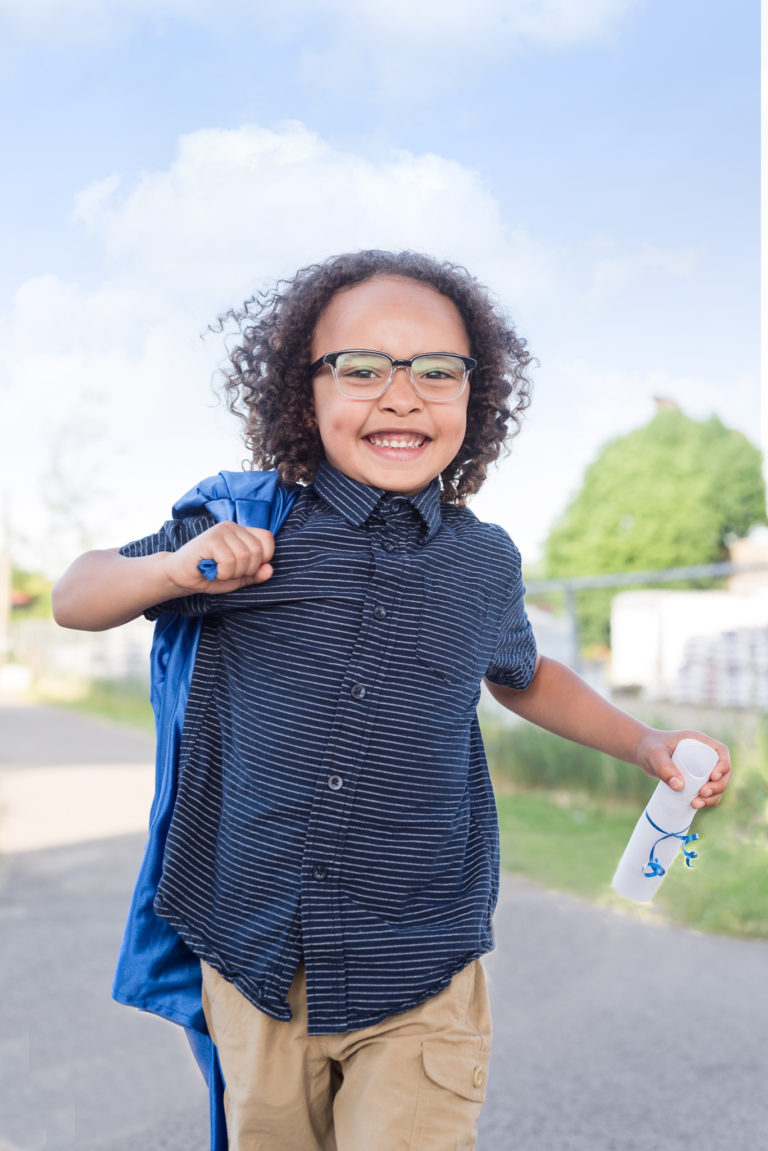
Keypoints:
(334, 801)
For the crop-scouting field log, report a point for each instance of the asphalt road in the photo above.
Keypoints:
(612, 1033)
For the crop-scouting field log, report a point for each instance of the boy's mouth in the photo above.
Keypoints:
(401, 441)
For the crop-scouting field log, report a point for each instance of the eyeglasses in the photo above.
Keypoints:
(362, 375)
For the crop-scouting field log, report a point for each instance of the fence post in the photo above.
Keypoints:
(573, 626)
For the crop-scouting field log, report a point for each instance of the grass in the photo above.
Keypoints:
(124, 702)
(573, 844)
(572, 840)
(565, 842)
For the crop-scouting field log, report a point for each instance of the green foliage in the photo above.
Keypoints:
(529, 757)
(667, 495)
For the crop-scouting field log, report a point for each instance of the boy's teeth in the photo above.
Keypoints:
(397, 441)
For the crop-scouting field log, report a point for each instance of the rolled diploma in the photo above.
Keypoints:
(669, 810)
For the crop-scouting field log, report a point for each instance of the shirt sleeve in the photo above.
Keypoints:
(171, 536)
(514, 659)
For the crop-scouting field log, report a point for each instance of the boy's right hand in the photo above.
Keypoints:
(241, 555)
(103, 589)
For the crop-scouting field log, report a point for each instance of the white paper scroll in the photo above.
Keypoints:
(671, 813)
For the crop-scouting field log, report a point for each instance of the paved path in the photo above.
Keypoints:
(612, 1034)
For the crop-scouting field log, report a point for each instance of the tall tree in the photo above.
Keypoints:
(669, 494)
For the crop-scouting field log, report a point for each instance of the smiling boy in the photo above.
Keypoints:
(333, 854)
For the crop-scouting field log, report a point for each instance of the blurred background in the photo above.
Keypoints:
(597, 165)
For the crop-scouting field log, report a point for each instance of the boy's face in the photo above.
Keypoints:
(399, 441)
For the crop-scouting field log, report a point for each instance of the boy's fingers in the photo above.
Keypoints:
(665, 770)
(266, 539)
(219, 586)
(672, 778)
(722, 769)
(712, 791)
(238, 566)
(239, 552)
(225, 557)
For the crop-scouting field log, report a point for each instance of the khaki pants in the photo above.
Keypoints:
(414, 1082)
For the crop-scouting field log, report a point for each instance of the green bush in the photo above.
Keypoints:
(527, 757)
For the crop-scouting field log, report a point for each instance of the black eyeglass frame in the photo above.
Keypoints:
(330, 359)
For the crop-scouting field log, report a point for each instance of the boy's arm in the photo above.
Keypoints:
(102, 589)
(560, 701)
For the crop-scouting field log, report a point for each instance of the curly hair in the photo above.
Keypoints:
(267, 381)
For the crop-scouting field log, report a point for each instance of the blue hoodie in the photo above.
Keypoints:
(156, 971)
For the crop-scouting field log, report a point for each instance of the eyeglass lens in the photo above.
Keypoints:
(367, 374)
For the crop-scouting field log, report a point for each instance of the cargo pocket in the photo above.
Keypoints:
(451, 1095)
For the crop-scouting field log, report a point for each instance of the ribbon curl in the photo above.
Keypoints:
(653, 868)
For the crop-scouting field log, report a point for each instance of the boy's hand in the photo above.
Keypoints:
(241, 555)
(655, 758)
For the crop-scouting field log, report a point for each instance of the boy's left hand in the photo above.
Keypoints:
(655, 758)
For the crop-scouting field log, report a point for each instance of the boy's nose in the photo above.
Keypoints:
(401, 396)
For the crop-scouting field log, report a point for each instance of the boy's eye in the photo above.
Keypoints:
(437, 368)
(363, 367)
(360, 373)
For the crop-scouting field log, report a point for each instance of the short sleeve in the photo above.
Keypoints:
(171, 536)
(514, 659)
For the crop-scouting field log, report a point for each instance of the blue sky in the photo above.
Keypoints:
(595, 163)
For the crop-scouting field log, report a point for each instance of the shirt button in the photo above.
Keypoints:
(380, 612)
(358, 691)
(320, 871)
(335, 782)
(388, 545)
(478, 1077)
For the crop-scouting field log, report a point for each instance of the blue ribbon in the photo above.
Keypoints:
(653, 868)
(208, 568)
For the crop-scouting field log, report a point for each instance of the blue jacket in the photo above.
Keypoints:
(156, 971)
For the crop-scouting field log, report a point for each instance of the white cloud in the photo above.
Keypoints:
(613, 271)
(552, 22)
(238, 205)
(495, 24)
(116, 377)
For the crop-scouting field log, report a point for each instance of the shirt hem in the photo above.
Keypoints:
(370, 1020)
(201, 948)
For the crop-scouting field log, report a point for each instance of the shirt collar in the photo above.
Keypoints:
(355, 501)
